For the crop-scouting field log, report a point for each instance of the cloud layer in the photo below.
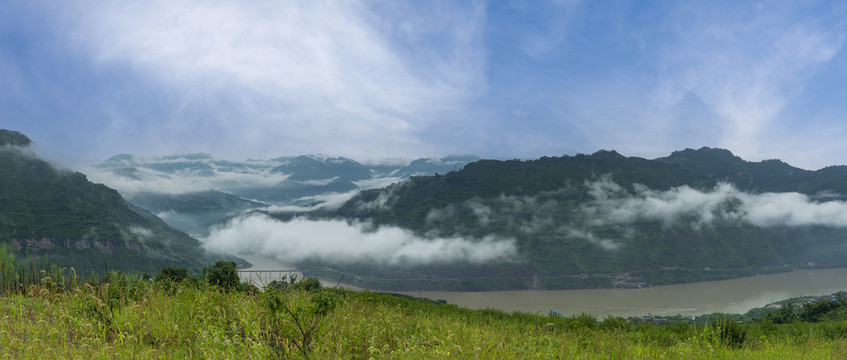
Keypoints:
(607, 220)
(613, 205)
(499, 79)
(295, 65)
(147, 180)
(611, 215)
(340, 241)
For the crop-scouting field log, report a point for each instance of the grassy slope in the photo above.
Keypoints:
(136, 320)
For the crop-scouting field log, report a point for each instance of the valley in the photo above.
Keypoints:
(602, 220)
(598, 221)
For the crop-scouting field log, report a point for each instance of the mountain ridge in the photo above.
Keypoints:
(695, 215)
(55, 212)
(304, 180)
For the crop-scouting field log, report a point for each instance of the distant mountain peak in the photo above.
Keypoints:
(13, 138)
(607, 154)
(705, 151)
(120, 160)
(188, 157)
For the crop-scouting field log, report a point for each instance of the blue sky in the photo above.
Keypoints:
(368, 79)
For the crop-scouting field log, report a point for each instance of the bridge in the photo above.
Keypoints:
(264, 277)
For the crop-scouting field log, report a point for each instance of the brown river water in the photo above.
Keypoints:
(726, 296)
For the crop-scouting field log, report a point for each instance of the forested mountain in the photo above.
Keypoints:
(193, 212)
(193, 191)
(45, 211)
(607, 220)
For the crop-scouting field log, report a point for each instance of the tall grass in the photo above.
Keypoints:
(128, 316)
(16, 277)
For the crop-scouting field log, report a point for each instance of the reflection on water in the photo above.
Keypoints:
(727, 296)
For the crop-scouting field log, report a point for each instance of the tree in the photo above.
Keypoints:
(172, 274)
(222, 274)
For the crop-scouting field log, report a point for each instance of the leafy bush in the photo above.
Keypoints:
(784, 315)
(584, 321)
(222, 275)
(172, 274)
(310, 284)
(822, 310)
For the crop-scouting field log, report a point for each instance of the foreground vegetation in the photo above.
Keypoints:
(56, 314)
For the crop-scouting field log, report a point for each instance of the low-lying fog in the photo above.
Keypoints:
(610, 204)
(342, 241)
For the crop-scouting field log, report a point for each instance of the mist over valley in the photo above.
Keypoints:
(423, 179)
(460, 223)
(580, 221)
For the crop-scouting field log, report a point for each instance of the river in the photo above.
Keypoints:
(726, 296)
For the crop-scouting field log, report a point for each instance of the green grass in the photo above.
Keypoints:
(56, 314)
(130, 317)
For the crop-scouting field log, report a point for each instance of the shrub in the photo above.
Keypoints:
(310, 284)
(222, 275)
(172, 274)
(584, 321)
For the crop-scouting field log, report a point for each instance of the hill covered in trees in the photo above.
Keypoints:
(46, 211)
(606, 220)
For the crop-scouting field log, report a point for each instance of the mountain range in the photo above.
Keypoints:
(192, 192)
(456, 223)
(604, 220)
(58, 213)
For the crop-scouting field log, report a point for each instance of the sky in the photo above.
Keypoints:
(374, 79)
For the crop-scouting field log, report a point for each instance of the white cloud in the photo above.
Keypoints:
(692, 74)
(340, 241)
(304, 72)
(161, 183)
(703, 208)
(614, 211)
(141, 232)
(327, 201)
(792, 209)
(482, 211)
(385, 199)
(605, 244)
(745, 65)
(377, 183)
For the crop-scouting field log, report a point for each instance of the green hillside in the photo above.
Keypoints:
(586, 220)
(45, 211)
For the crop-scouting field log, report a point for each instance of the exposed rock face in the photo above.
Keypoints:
(35, 245)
